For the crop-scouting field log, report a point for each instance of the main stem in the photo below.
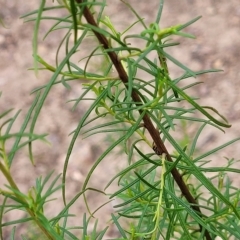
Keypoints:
(147, 121)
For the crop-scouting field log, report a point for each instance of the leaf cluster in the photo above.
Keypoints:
(164, 195)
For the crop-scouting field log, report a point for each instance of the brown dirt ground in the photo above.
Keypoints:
(217, 46)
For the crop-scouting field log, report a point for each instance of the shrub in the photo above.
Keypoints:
(164, 190)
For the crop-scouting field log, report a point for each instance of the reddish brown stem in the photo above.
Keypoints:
(147, 121)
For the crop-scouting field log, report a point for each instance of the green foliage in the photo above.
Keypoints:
(163, 195)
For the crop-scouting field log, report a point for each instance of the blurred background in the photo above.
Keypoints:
(217, 45)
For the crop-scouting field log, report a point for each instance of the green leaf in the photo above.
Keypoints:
(198, 107)
(117, 224)
(74, 17)
(15, 146)
(35, 35)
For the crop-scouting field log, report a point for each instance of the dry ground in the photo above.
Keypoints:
(217, 46)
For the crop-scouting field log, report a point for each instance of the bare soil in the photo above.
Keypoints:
(216, 46)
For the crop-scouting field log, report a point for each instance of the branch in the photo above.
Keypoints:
(147, 121)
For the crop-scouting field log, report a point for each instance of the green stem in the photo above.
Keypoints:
(14, 186)
(72, 75)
